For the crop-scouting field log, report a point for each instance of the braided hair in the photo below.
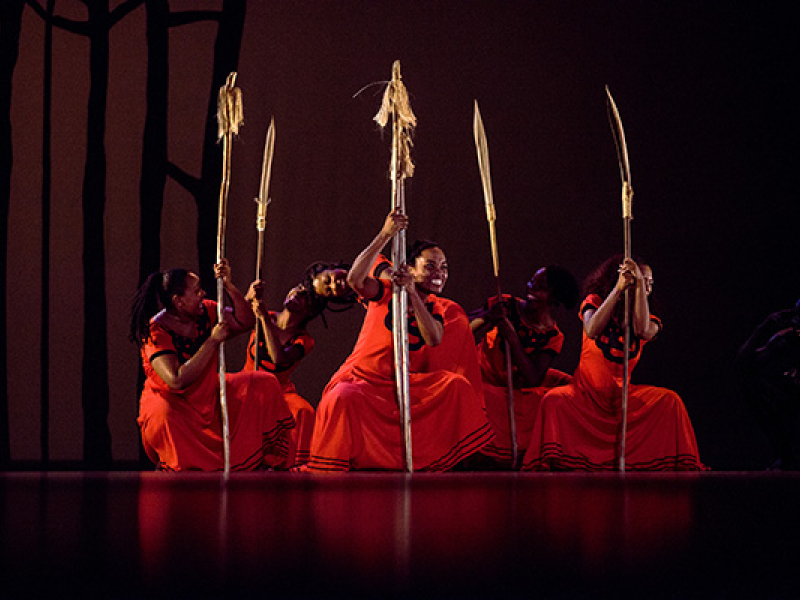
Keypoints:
(317, 303)
(157, 291)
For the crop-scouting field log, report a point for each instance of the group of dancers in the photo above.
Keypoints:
(458, 385)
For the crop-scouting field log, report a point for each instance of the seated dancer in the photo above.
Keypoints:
(179, 410)
(578, 425)
(767, 366)
(284, 340)
(358, 421)
(534, 340)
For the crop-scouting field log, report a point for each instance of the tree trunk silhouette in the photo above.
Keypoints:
(44, 338)
(10, 23)
(154, 152)
(95, 398)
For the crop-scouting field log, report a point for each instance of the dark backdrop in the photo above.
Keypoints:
(705, 91)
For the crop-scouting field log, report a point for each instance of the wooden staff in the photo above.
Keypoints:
(396, 107)
(486, 178)
(229, 118)
(627, 216)
(261, 215)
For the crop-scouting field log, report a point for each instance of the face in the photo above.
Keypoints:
(647, 274)
(430, 270)
(331, 283)
(296, 300)
(538, 289)
(191, 301)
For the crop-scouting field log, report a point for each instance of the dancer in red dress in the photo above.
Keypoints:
(284, 341)
(179, 411)
(578, 425)
(534, 340)
(358, 422)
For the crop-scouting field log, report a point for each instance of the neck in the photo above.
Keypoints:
(534, 315)
(288, 320)
(180, 317)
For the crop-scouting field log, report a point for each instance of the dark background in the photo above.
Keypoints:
(707, 96)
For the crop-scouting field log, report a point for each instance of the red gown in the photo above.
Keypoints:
(300, 437)
(358, 422)
(578, 425)
(526, 399)
(182, 429)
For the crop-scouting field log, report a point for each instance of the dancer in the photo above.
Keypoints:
(534, 340)
(287, 341)
(767, 366)
(358, 424)
(578, 425)
(179, 412)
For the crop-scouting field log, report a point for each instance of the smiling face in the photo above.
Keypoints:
(538, 289)
(190, 303)
(297, 300)
(430, 270)
(331, 283)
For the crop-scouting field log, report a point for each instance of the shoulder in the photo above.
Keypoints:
(591, 302)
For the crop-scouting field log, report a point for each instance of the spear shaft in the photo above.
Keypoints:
(229, 117)
(627, 216)
(482, 148)
(396, 107)
(261, 218)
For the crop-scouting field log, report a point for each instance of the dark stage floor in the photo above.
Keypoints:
(148, 535)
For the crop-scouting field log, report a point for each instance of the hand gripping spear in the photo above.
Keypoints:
(483, 162)
(261, 214)
(229, 118)
(627, 216)
(396, 107)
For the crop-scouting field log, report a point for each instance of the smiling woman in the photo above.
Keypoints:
(282, 340)
(534, 340)
(179, 411)
(358, 426)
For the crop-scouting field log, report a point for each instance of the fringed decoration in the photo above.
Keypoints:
(396, 106)
(230, 113)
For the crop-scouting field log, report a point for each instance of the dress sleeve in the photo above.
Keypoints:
(160, 343)
(591, 302)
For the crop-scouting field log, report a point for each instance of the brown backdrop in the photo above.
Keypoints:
(703, 90)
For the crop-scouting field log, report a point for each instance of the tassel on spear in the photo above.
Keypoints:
(486, 178)
(261, 215)
(229, 118)
(627, 216)
(397, 109)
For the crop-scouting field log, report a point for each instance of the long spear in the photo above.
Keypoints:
(261, 214)
(486, 178)
(229, 118)
(396, 107)
(627, 216)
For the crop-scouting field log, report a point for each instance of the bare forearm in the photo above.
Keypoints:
(358, 277)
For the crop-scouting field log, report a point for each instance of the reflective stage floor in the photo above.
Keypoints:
(457, 535)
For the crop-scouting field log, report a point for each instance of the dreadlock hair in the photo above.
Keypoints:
(317, 304)
(416, 249)
(563, 286)
(157, 291)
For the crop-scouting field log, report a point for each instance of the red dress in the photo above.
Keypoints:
(182, 429)
(578, 424)
(526, 399)
(300, 437)
(358, 422)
